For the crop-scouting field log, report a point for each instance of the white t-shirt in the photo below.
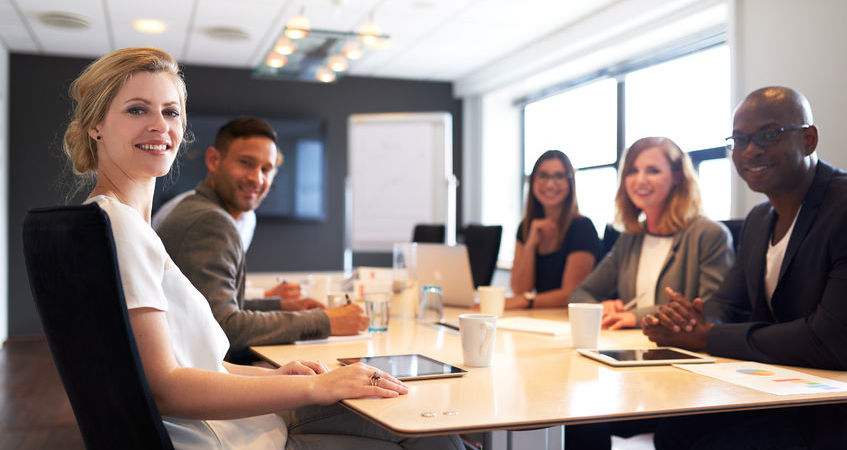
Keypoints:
(246, 224)
(654, 252)
(773, 260)
(152, 280)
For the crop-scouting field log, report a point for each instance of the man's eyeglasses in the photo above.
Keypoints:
(762, 138)
(558, 176)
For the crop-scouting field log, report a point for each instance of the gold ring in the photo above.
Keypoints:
(375, 378)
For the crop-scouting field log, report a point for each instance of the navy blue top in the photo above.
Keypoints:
(549, 268)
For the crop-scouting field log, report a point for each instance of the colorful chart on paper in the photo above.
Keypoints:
(766, 378)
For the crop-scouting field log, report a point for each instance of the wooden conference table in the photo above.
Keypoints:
(535, 381)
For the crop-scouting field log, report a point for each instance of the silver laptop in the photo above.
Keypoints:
(448, 267)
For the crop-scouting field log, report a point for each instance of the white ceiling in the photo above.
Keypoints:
(441, 40)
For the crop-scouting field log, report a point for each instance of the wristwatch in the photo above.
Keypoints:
(530, 297)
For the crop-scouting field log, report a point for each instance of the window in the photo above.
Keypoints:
(685, 98)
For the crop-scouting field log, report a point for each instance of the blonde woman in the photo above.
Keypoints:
(129, 121)
(556, 247)
(674, 246)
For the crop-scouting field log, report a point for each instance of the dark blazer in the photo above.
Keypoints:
(808, 325)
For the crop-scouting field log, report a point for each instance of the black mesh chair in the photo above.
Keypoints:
(734, 226)
(610, 236)
(483, 243)
(428, 233)
(73, 274)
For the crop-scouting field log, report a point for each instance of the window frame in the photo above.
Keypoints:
(703, 41)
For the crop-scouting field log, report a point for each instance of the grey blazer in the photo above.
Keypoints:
(201, 238)
(700, 256)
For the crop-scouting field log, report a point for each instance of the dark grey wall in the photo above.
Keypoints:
(39, 110)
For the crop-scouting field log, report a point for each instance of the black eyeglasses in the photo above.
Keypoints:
(556, 176)
(764, 138)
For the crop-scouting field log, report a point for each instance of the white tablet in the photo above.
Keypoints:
(645, 356)
(408, 367)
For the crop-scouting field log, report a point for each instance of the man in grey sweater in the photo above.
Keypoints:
(201, 237)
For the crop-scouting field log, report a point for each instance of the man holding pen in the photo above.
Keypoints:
(201, 237)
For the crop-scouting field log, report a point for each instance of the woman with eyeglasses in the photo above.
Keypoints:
(556, 247)
(666, 243)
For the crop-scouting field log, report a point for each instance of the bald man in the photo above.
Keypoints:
(785, 299)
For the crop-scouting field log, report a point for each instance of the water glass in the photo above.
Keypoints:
(432, 306)
(377, 306)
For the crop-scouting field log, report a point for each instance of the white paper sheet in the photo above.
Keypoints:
(331, 339)
(767, 378)
(530, 325)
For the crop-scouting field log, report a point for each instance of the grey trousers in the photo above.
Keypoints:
(335, 427)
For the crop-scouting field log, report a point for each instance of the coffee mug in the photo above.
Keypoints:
(585, 319)
(492, 299)
(478, 332)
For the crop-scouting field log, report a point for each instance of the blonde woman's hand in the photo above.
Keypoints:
(302, 368)
(612, 306)
(618, 320)
(356, 381)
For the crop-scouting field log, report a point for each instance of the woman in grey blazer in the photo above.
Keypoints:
(673, 247)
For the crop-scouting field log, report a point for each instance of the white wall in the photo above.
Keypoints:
(492, 120)
(4, 193)
(797, 44)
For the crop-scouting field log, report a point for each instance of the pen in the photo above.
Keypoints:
(633, 303)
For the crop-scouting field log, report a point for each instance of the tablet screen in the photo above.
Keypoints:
(408, 367)
(644, 356)
(650, 354)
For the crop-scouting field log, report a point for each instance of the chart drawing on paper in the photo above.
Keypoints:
(766, 378)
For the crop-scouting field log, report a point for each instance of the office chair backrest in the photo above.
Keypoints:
(426, 233)
(483, 243)
(735, 226)
(73, 274)
(610, 236)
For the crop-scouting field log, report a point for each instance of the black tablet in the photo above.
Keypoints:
(408, 367)
(645, 356)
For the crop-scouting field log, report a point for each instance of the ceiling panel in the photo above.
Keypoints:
(430, 39)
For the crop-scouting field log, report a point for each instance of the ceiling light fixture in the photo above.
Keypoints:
(324, 75)
(352, 50)
(298, 26)
(68, 21)
(369, 33)
(149, 26)
(284, 46)
(303, 53)
(276, 60)
(227, 33)
(337, 63)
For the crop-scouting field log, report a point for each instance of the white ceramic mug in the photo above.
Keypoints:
(478, 332)
(585, 319)
(492, 299)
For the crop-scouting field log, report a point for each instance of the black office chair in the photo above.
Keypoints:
(429, 233)
(735, 226)
(483, 243)
(73, 274)
(610, 236)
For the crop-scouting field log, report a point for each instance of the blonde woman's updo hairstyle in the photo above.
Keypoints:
(683, 202)
(95, 88)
